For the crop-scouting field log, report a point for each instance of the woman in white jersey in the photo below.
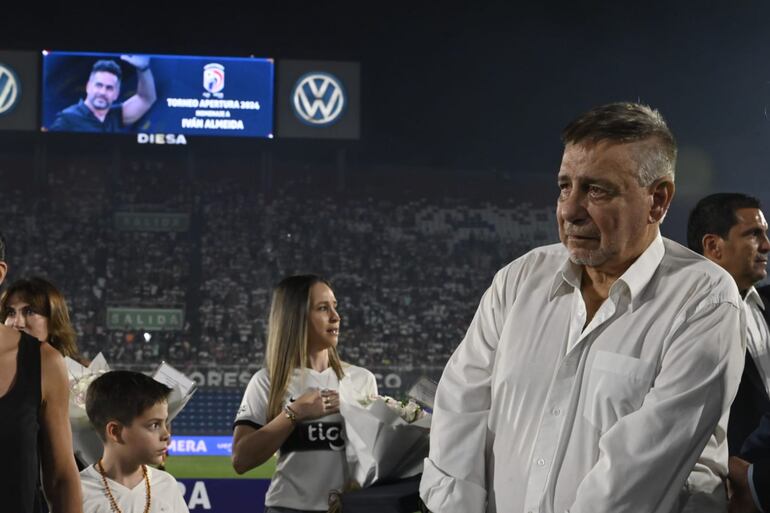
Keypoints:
(292, 405)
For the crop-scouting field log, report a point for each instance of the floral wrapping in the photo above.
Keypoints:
(381, 444)
(86, 443)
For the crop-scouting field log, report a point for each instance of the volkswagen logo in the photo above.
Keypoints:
(318, 98)
(10, 89)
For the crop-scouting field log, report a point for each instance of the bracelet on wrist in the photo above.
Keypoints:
(290, 414)
(143, 69)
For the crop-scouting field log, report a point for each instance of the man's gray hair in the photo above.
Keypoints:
(625, 122)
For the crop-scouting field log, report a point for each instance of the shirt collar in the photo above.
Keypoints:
(640, 273)
(636, 277)
(567, 277)
(85, 111)
(752, 296)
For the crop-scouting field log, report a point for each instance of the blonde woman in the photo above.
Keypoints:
(292, 405)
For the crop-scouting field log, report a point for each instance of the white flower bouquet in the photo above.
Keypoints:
(408, 410)
(87, 444)
(386, 438)
(182, 388)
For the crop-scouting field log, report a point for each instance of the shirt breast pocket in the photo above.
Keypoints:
(617, 385)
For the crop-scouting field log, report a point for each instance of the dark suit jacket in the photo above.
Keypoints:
(748, 433)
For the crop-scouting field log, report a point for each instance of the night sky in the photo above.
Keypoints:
(486, 87)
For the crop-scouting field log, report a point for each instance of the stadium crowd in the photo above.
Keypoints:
(407, 269)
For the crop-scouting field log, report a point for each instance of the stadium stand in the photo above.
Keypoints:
(408, 267)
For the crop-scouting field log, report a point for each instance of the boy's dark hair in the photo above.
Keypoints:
(715, 214)
(109, 66)
(2, 248)
(122, 396)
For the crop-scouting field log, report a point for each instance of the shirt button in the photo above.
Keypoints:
(556, 412)
(541, 462)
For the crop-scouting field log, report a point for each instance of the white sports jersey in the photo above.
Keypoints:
(312, 460)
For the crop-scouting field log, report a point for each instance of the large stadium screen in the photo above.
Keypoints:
(160, 94)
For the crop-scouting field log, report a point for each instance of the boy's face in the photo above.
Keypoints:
(147, 437)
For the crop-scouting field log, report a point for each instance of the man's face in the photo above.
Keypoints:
(102, 90)
(744, 252)
(604, 215)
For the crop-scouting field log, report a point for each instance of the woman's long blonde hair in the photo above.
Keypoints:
(287, 337)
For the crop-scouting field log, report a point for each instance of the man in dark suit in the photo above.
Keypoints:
(730, 229)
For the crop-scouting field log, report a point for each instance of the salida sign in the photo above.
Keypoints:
(144, 318)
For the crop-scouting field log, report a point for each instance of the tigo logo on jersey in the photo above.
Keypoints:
(316, 436)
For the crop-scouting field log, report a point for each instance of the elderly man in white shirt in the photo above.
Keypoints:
(594, 371)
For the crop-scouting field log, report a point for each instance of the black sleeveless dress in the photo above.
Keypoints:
(19, 433)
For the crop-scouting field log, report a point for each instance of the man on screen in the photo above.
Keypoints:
(99, 112)
(594, 371)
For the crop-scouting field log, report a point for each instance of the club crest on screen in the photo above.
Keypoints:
(213, 79)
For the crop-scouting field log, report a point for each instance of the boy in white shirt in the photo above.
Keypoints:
(129, 412)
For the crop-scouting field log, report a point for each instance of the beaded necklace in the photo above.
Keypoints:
(113, 503)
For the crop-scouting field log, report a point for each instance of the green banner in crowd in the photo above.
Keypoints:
(152, 222)
(153, 319)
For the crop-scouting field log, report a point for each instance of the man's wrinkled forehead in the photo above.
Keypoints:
(603, 158)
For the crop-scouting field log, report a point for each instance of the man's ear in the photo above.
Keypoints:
(712, 247)
(3, 270)
(662, 191)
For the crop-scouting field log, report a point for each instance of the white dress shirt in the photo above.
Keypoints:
(535, 413)
(758, 341)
